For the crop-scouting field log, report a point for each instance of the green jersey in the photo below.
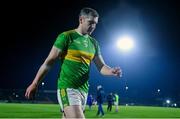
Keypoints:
(116, 98)
(78, 52)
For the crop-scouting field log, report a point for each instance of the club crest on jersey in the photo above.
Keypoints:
(85, 43)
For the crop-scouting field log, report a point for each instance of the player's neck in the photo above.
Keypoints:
(80, 32)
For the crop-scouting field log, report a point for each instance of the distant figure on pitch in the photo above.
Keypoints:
(116, 102)
(110, 102)
(100, 100)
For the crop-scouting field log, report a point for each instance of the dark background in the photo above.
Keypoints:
(30, 28)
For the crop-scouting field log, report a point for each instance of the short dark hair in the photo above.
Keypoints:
(88, 12)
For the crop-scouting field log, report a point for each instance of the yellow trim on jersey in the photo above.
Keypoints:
(79, 56)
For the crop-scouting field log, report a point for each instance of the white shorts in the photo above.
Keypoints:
(116, 103)
(70, 96)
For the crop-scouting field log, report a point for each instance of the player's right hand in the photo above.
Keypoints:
(30, 91)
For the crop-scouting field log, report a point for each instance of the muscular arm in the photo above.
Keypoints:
(54, 54)
(105, 69)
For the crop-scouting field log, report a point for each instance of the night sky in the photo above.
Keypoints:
(29, 30)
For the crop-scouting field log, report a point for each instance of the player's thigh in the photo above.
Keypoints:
(69, 97)
(73, 111)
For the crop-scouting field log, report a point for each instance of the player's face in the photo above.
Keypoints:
(88, 24)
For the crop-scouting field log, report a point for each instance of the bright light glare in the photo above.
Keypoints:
(125, 43)
(42, 83)
(168, 101)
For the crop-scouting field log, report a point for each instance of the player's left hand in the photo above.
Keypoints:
(116, 71)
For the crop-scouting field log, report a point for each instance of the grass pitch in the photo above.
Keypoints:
(10, 110)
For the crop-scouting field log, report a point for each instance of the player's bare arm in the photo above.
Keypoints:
(105, 69)
(54, 54)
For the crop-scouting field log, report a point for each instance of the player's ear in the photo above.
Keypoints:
(80, 19)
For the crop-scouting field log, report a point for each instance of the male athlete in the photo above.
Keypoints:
(116, 102)
(75, 49)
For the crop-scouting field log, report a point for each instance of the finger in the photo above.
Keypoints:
(113, 70)
(117, 68)
(119, 73)
(27, 94)
(116, 72)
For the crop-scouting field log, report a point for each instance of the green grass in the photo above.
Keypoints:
(10, 110)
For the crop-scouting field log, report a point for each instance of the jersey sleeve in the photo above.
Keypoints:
(98, 52)
(61, 42)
